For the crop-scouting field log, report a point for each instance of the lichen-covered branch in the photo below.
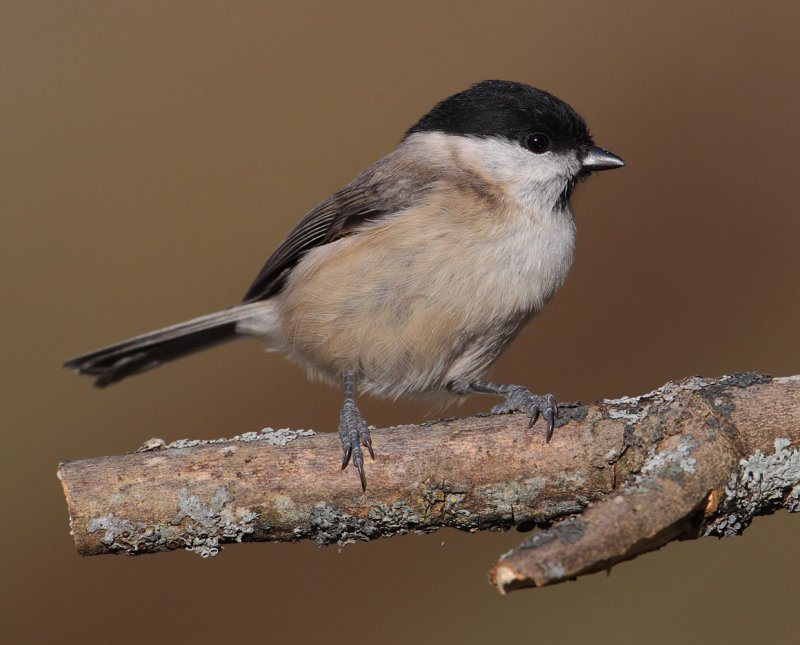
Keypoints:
(620, 477)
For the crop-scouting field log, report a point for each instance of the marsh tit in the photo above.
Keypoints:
(414, 277)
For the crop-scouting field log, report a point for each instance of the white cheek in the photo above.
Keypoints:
(537, 181)
(543, 179)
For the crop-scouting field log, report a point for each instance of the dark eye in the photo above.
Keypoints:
(538, 143)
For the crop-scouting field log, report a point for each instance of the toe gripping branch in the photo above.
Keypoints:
(519, 398)
(353, 431)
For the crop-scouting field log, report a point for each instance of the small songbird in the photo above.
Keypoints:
(414, 277)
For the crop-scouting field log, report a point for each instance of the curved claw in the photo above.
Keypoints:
(367, 441)
(348, 450)
(520, 398)
(359, 464)
(548, 415)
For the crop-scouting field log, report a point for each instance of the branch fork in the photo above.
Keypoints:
(620, 477)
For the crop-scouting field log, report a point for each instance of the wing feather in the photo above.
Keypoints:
(384, 188)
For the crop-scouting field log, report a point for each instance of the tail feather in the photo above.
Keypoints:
(142, 353)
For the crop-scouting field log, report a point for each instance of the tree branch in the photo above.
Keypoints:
(620, 478)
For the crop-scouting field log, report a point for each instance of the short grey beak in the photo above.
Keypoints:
(599, 159)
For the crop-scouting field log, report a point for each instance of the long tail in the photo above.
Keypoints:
(135, 355)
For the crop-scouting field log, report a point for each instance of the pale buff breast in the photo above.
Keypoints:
(424, 299)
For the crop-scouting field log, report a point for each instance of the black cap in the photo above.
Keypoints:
(510, 110)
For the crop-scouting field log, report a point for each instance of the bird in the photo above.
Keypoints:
(414, 278)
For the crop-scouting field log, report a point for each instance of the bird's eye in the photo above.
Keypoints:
(538, 143)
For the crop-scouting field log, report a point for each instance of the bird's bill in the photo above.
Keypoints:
(600, 159)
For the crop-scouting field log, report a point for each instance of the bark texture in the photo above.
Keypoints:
(620, 477)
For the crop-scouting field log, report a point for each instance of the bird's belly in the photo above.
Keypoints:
(415, 317)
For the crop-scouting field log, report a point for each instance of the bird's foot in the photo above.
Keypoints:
(354, 432)
(519, 398)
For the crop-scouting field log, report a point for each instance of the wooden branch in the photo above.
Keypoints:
(621, 477)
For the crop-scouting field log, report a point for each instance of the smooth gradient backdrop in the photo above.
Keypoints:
(152, 155)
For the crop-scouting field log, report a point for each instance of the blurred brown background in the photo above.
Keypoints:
(153, 154)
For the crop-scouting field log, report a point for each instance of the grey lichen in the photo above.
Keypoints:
(672, 463)
(197, 526)
(552, 569)
(635, 408)
(328, 524)
(443, 500)
(151, 445)
(268, 435)
(123, 535)
(209, 523)
(569, 531)
(397, 517)
(535, 540)
(721, 402)
(793, 500)
(761, 483)
(571, 411)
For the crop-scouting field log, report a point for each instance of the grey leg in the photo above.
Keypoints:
(353, 431)
(520, 398)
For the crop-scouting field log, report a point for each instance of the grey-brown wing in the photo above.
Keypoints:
(380, 190)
